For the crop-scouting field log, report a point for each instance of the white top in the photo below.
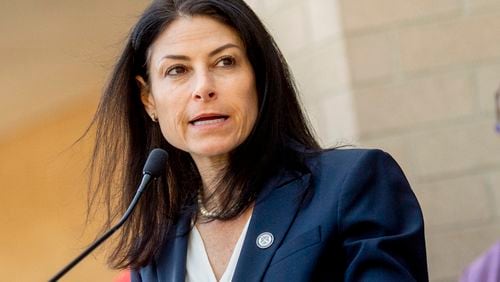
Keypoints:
(198, 268)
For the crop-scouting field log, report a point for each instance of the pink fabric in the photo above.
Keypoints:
(486, 268)
(123, 276)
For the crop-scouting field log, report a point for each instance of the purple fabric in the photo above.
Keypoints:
(486, 268)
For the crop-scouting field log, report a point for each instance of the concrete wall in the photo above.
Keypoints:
(416, 78)
(424, 77)
(310, 35)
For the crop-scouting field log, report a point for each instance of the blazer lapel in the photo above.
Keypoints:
(274, 211)
(171, 266)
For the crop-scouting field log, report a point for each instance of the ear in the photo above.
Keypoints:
(147, 98)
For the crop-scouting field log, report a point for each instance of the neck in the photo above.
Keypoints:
(210, 169)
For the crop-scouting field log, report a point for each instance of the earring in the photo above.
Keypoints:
(154, 118)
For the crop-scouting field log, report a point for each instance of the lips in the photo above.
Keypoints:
(208, 119)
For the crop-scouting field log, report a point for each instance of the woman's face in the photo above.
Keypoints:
(202, 87)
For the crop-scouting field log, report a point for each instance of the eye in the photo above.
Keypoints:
(226, 61)
(176, 70)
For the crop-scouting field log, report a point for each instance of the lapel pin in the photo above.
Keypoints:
(265, 240)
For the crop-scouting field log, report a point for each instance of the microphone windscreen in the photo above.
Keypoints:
(156, 163)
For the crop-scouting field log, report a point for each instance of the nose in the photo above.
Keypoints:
(204, 89)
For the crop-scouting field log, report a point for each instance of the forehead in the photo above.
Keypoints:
(193, 34)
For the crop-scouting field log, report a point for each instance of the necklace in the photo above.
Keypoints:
(203, 210)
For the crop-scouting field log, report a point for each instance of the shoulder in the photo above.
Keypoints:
(363, 200)
(345, 161)
(363, 182)
(348, 174)
(351, 156)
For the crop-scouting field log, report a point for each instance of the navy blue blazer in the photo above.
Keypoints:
(354, 217)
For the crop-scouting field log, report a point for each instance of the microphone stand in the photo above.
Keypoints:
(144, 183)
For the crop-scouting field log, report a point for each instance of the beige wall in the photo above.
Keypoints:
(55, 56)
(54, 52)
(415, 78)
(424, 76)
(310, 35)
(43, 199)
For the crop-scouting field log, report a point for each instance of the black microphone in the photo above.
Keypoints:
(154, 167)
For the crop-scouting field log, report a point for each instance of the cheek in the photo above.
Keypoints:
(251, 103)
(171, 117)
(251, 110)
(248, 110)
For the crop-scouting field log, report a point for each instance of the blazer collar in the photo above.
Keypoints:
(171, 265)
(274, 211)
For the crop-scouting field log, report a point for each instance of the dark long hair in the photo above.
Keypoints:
(125, 134)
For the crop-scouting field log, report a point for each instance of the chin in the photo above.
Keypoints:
(213, 150)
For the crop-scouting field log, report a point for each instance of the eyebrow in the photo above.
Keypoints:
(212, 53)
(222, 48)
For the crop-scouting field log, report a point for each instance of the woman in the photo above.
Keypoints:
(248, 194)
